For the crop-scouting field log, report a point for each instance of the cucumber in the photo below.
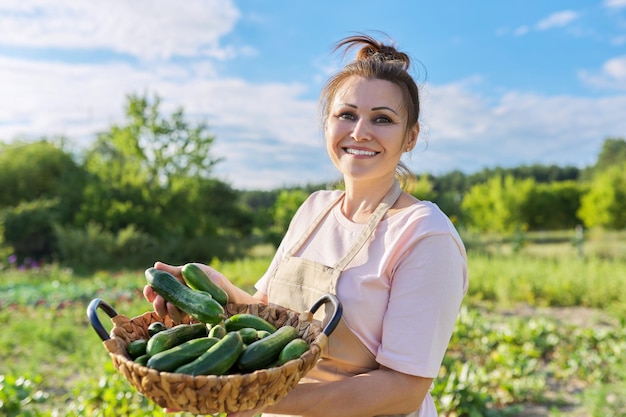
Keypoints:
(292, 350)
(218, 359)
(218, 331)
(197, 304)
(175, 336)
(264, 352)
(198, 280)
(136, 348)
(261, 334)
(155, 328)
(142, 360)
(169, 360)
(243, 320)
(248, 334)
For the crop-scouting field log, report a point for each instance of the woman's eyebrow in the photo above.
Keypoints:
(385, 108)
(354, 106)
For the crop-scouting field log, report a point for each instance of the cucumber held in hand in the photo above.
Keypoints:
(199, 305)
(199, 280)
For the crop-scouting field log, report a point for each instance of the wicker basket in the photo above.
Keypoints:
(212, 394)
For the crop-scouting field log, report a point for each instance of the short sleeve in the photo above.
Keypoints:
(426, 294)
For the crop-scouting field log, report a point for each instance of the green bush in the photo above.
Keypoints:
(95, 248)
(29, 228)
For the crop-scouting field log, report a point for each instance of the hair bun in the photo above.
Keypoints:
(375, 50)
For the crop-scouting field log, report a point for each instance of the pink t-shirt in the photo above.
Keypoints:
(402, 292)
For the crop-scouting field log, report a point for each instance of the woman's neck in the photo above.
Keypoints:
(362, 198)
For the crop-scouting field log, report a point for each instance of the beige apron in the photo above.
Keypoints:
(297, 283)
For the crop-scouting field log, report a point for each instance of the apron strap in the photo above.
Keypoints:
(309, 231)
(388, 201)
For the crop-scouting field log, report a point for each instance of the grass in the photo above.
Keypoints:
(54, 363)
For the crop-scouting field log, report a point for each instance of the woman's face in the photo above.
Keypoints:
(365, 129)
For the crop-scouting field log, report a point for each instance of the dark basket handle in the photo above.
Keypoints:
(93, 316)
(337, 311)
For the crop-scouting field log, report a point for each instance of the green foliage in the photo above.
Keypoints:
(605, 203)
(17, 393)
(93, 247)
(495, 363)
(495, 206)
(39, 170)
(285, 207)
(28, 228)
(423, 188)
(591, 282)
(552, 205)
(613, 153)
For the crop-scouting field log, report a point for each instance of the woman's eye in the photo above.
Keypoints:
(346, 116)
(382, 119)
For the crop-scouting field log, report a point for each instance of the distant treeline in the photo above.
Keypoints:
(145, 190)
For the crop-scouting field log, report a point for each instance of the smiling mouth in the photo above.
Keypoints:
(359, 152)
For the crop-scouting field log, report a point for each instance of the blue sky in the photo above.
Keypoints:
(504, 83)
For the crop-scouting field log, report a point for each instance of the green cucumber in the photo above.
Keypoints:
(243, 320)
(136, 348)
(197, 304)
(292, 350)
(174, 336)
(263, 353)
(249, 335)
(218, 331)
(155, 328)
(218, 359)
(142, 360)
(169, 360)
(199, 280)
(261, 334)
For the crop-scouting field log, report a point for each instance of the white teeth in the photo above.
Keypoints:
(360, 152)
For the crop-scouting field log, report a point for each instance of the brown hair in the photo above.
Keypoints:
(376, 60)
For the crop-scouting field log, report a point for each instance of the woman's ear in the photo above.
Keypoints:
(412, 137)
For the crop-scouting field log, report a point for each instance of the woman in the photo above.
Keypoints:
(396, 263)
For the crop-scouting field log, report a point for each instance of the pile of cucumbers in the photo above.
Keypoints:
(216, 344)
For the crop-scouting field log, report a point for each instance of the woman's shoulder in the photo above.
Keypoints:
(319, 200)
(425, 215)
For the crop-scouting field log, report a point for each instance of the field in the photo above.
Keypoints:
(542, 333)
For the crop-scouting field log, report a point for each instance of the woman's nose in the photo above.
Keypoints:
(361, 131)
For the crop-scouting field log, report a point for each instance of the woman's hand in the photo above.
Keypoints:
(162, 307)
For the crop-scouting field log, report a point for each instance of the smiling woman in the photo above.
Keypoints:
(396, 264)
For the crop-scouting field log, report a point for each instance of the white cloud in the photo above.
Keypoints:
(611, 76)
(267, 133)
(558, 19)
(148, 29)
(469, 132)
(522, 30)
(615, 4)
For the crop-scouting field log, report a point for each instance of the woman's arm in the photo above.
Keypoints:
(380, 392)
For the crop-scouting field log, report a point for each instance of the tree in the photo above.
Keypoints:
(605, 203)
(552, 206)
(40, 170)
(152, 174)
(495, 206)
(135, 167)
(285, 208)
(613, 153)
